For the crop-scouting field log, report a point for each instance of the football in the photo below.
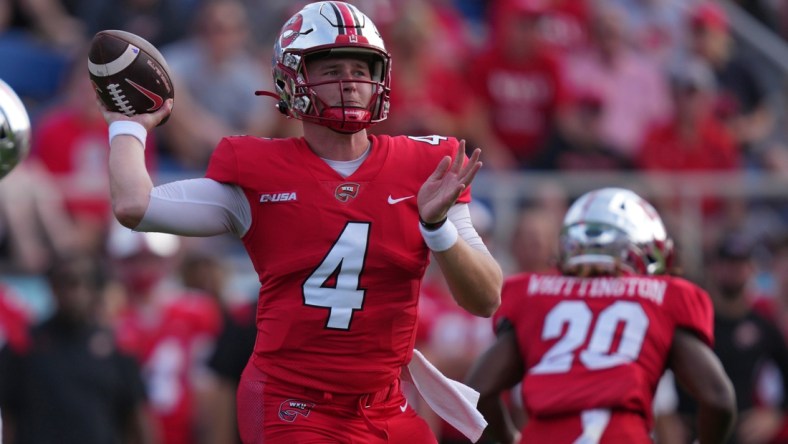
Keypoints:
(129, 74)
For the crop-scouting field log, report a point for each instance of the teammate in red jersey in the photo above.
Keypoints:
(170, 330)
(590, 344)
(339, 225)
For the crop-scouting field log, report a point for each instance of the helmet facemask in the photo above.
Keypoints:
(302, 101)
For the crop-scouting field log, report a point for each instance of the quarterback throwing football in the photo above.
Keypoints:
(339, 225)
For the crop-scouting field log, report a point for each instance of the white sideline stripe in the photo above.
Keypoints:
(115, 66)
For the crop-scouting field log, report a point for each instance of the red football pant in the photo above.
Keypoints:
(272, 411)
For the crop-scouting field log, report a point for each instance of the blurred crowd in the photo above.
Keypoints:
(561, 86)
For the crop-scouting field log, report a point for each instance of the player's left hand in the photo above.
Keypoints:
(445, 184)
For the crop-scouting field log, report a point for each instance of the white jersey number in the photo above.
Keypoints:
(432, 140)
(599, 353)
(335, 282)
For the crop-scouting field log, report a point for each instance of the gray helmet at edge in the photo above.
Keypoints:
(337, 28)
(614, 231)
(14, 130)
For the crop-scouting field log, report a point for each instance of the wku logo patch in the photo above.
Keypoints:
(346, 191)
(288, 196)
(290, 409)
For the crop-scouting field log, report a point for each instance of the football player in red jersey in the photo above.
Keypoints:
(169, 329)
(339, 225)
(589, 344)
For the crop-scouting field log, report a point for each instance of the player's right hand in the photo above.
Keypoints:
(147, 120)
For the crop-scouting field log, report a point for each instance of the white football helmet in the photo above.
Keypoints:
(611, 231)
(329, 28)
(14, 130)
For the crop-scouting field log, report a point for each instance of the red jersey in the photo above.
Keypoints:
(598, 343)
(667, 149)
(523, 97)
(172, 342)
(340, 260)
(74, 149)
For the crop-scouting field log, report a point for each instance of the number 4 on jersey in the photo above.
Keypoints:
(432, 140)
(335, 282)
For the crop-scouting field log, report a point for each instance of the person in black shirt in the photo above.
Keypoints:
(744, 341)
(71, 384)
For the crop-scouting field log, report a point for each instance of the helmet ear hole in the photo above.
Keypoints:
(282, 107)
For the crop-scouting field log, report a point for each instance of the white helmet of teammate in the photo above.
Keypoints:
(613, 230)
(14, 130)
(329, 28)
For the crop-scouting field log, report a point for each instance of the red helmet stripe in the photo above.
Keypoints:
(358, 24)
(346, 17)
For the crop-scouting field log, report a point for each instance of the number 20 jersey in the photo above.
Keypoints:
(600, 342)
(340, 260)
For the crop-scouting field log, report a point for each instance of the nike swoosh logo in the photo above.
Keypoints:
(155, 98)
(404, 407)
(393, 201)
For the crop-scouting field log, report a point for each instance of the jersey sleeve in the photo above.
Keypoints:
(223, 166)
(692, 310)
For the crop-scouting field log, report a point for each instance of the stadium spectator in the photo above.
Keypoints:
(40, 37)
(744, 341)
(35, 226)
(742, 95)
(580, 144)
(203, 271)
(158, 21)
(694, 140)
(216, 74)
(53, 23)
(427, 74)
(633, 89)
(564, 24)
(70, 383)
(331, 222)
(233, 349)
(774, 306)
(534, 244)
(519, 93)
(170, 330)
(590, 344)
(70, 141)
(657, 27)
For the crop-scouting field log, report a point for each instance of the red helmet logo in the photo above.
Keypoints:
(291, 30)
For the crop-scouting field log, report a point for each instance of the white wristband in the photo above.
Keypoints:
(441, 239)
(127, 128)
